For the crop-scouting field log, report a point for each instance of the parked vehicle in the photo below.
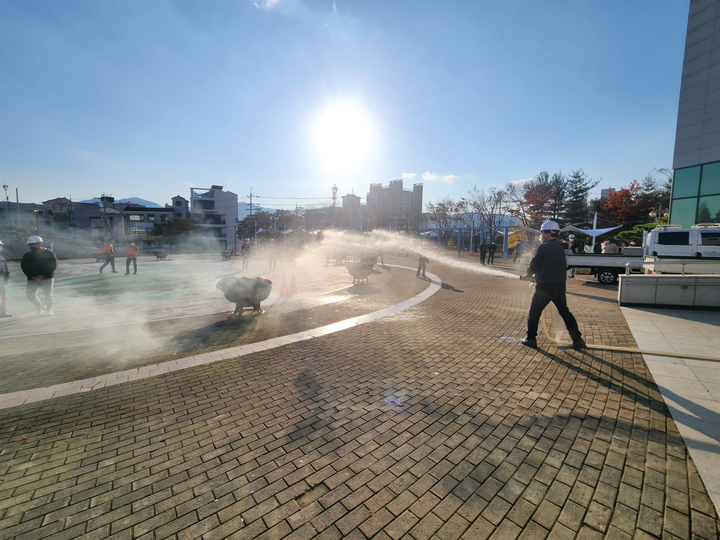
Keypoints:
(696, 250)
(672, 241)
(606, 266)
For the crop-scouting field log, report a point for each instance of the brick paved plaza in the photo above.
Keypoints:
(433, 422)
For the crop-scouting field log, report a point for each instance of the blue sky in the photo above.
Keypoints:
(288, 97)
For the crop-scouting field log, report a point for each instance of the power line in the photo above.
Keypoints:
(295, 198)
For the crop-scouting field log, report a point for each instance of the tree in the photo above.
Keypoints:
(633, 205)
(558, 184)
(655, 197)
(286, 220)
(445, 215)
(248, 225)
(626, 206)
(576, 208)
(490, 206)
(176, 230)
(544, 197)
(516, 205)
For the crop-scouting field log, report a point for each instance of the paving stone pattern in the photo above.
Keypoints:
(426, 424)
(74, 355)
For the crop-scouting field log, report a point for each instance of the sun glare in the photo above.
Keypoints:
(343, 138)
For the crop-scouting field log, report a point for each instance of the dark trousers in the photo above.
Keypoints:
(544, 294)
(491, 257)
(127, 265)
(110, 259)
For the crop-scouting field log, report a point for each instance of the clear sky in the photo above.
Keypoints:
(148, 98)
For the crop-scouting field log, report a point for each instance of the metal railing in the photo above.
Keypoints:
(682, 263)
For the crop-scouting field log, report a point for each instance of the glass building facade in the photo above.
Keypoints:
(696, 162)
(696, 195)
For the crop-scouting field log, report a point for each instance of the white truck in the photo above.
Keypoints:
(605, 266)
(666, 249)
(694, 250)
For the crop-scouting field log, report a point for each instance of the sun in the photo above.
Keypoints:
(343, 137)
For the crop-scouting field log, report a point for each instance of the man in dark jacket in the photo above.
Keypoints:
(548, 270)
(492, 248)
(39, 266)
(4, 278)
(483, 252)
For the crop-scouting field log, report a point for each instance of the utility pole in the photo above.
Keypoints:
(251, 198)
(105, 200)
(7, 205)
(335, 220)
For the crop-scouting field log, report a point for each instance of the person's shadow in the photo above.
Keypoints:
(219, 333)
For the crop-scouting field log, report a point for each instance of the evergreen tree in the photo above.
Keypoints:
(577, 209)
(545, 197)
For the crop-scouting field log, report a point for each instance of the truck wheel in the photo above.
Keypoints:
(607, 277)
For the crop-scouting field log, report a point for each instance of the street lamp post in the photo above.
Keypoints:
(37, 221)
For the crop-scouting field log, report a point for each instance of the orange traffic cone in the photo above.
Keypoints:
(284, 288)
(293, 286)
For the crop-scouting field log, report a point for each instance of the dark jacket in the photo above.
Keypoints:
(39, 263)
(549, 264)
(4, 272)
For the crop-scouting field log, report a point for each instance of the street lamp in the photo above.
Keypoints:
(656, 214)
(37, 220)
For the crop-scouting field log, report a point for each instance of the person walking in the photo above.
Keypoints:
(518, 251)
(492, 248)
(547, 269)
(245, 255)
(109, 257)
(483, 252)
(131, 252)
(39, 266)
(4, 278)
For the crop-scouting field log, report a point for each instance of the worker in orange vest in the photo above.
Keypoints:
(131, 252)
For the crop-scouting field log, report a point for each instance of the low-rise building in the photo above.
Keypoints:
(216, 211)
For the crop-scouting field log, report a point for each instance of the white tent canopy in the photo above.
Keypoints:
(594, 233)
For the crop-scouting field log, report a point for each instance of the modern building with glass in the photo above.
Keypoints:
(696, 183)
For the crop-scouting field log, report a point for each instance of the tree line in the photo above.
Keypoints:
(559, 197)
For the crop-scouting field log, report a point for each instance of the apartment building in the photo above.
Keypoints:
(393, 206)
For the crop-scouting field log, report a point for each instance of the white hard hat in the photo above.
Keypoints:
(34, 240)
(550, 226)
(572, 236)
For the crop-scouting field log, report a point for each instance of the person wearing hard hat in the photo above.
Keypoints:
(547, 269)
(4, 278)
(39, 266)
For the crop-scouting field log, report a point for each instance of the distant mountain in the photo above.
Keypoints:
(134, 200)
(142, 202)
